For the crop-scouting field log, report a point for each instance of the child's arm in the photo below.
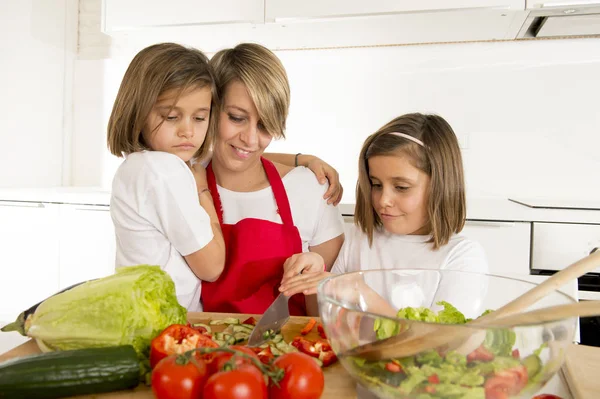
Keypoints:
(322, 170)
(208, 262)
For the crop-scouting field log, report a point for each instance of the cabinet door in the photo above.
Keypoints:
(120, 15)
(561, 3)
(87, 243)
(557, 245)
(283, 10)
(29, 254)
(506, 244)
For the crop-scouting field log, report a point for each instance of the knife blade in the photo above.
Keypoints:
(271, 321)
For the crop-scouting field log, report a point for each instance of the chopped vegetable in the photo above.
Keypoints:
(130, 307)
(177, 339)
(309, 326)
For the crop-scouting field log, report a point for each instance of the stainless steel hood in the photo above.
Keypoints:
(562, 20)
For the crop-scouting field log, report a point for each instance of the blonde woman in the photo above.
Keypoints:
(268, 211)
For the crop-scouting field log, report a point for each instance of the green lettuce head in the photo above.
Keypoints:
(130, 307)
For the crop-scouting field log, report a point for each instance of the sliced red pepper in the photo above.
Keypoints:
(327, 357)
(434, 379)
(305, 346)
(266, 355)
(393, 367)
(250, 320)
(322, 346)
(308, 327)
(177, 338)
(321, 331)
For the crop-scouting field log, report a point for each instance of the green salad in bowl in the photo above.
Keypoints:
(359, 308)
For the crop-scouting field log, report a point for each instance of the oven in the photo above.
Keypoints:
(557, 245)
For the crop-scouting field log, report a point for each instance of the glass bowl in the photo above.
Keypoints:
(361, 307)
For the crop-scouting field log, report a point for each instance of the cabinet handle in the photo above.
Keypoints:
(489, 224)
(23, 204)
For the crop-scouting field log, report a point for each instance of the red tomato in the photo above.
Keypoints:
(243, 383)
(481, 354)
(220, 358)
(174, 377)
(303, 378)
(546, 396)
(177, 339)
(507, 382)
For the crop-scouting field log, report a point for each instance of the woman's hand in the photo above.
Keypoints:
(303, 283)
(324, 172)
(305, 262)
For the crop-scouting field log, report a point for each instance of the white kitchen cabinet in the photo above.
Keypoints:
(287, 10)
(120, 15)
(531, 4)
(87, 243)
(557, 245)
(506, 244)
(29, 255)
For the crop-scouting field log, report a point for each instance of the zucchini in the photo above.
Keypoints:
(69, 373)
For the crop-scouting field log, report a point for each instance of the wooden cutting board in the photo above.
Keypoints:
(582, 371)
(338, 384)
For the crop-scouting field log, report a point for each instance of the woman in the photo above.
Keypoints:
(268, 212)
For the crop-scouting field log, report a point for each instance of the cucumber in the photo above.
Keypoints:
(205, 326)
(69, 373)
(241, 328)
(229, 320)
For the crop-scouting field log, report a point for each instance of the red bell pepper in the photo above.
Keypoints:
(309, 326)
(250, 320)
(266, 355)
(320, 349)
(321, 331)
(175, 339)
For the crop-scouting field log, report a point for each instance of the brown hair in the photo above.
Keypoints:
(439, 158)
(154, 71)
(265, 79)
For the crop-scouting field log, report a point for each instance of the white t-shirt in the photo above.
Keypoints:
(316, 221)
(391, 251)
(158, 219)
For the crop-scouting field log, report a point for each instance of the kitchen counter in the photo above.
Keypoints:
(504, 210)
(478, 208)
(58, 195)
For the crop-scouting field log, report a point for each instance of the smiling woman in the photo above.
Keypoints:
(268, 211)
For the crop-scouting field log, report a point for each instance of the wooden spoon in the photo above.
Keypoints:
(453, 337)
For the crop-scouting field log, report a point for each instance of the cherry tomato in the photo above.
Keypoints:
(546, 396)
(245, 382)
(178, 377)
(303, 378)
(219, 359)
(505, 383)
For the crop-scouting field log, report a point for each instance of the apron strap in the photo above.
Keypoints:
(281, 197)
(212, 186)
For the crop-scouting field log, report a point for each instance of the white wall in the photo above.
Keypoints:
(527, 112)
(37, 50)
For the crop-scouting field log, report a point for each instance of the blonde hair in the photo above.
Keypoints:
(439, 157)
(265, 79)
(155, 70)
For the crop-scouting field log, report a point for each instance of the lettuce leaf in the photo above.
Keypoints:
(130, 307)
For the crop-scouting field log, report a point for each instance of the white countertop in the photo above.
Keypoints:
(58, 195)
(481, 208)
(501, 209)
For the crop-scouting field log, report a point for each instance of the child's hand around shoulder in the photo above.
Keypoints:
(302, 274)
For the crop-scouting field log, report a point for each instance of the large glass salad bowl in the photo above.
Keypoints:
(362, 307)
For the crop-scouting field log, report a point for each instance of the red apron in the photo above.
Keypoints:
(255, 252)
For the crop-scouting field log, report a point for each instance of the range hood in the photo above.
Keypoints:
(562, 20)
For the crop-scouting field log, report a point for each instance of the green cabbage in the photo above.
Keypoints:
(130, 307)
